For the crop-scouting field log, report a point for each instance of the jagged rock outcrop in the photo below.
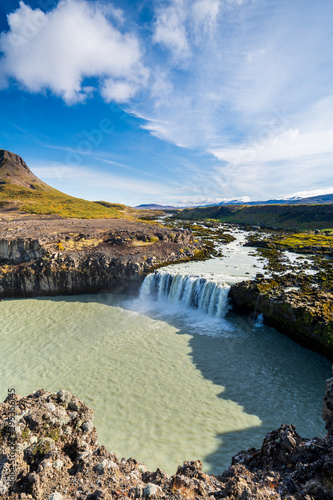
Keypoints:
(49, 450)
(304, 317)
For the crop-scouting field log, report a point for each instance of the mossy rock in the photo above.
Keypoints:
(44, 446)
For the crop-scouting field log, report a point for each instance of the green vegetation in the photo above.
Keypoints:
(52, 202)
(153, 239)
(300, 241)
(107, 204)
(54, 434)
(25, 433)
(312, 243)
(288, 217)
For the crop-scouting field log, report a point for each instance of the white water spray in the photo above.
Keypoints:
(259, 321)
(192, 292)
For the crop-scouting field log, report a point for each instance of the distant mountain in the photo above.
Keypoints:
(154, 206)
(20, 189)
(320, 199)
(324, 198)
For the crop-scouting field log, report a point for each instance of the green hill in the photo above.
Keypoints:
(290, 217)
(21, 189)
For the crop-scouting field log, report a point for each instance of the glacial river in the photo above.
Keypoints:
(172, 375)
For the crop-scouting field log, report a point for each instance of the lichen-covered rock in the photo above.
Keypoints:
(47, 452)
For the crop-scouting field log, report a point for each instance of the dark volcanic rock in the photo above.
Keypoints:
(49, 449)
(85, 256)
(328, 408)
(305, 317)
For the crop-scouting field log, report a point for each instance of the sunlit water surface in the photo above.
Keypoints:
(167, 383)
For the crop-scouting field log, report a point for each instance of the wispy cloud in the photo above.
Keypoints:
(255, 92)
(86, 178)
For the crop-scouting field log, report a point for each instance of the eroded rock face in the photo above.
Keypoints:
(85, 256)
(328, 408)
(305, 317)
(19, 250)
(49, 450)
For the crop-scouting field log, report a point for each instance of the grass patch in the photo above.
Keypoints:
(303, 240)
(80, 244)
(52, 202)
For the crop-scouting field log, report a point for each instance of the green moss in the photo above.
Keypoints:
(25, 433)
(42, 447)
(266, 287)
(54, 434)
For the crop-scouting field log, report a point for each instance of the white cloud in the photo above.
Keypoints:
(205, 14)
(288, 145)
(76, 40)
(314, 192)
(118, 91)
(170, 29)
(184, 23)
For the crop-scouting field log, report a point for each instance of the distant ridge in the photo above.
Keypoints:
(154, 206)
(319, 199)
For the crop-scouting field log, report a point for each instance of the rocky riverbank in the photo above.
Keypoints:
(304, 314)
(49, 450)
(66, 256)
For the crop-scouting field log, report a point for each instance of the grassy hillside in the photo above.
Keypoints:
(21, 189)
(50, 201)
(290, 217)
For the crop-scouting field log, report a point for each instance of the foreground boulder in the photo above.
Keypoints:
(49, 450)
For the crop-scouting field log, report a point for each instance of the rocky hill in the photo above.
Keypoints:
(13, 170)
(22, 191)
(49, 450)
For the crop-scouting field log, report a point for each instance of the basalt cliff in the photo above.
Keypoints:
(69, 256)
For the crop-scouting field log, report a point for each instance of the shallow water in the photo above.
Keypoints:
(163, 392)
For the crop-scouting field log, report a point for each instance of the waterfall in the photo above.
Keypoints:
(259, 321)
(187, 291)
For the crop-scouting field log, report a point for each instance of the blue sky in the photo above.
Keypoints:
(178, 102)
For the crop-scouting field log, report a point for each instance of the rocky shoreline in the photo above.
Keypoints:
(305, 317)
(49, 449)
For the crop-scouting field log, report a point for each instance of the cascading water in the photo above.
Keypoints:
(259, 321)
(192, 292)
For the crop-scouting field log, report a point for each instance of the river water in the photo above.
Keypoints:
(172, 375)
